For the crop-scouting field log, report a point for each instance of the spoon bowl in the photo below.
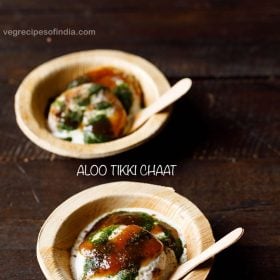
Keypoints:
(48, 80)
(59, 232)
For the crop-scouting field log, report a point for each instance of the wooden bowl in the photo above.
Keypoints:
(48, 80)
(61, 229)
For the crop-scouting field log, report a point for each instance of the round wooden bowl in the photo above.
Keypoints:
(61, 229)
(50, 79)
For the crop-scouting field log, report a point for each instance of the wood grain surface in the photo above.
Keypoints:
(224, 136)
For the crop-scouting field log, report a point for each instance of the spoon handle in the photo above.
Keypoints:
(174, 93)
(211, 251)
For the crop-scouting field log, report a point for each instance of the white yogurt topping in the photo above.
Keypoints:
(166, 261)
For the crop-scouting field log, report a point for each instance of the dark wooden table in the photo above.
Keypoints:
(224, 136)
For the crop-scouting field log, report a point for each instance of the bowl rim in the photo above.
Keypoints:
(44, 139)
(47, 235)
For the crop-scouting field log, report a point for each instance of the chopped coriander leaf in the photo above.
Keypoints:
(79, 81)
(178, 250)
(124, 94)
(167, 236)
(83, 101)
(71, 120)
(147, 221)
(74, 116)
(173, 243)
(91, 138)
(95, 88)
(102, 235)
(97, 118)
(102, 105)
(90, 264)
(67, 139)
(127, 274)
(64, 126)
(58, 103)
(101, 129)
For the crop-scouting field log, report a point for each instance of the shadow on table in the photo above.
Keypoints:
(230, 265)
(192, 130)
(183, 132)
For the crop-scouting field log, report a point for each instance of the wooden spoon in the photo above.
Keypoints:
(211, 251)
(173, 94)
